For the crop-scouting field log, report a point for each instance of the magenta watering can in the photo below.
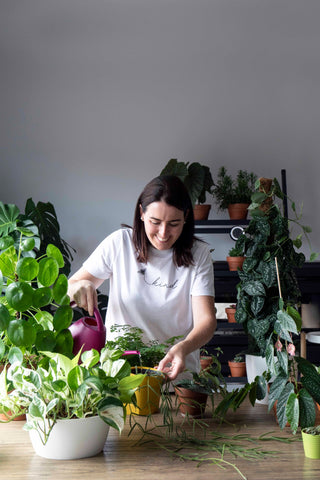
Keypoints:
(88, 332)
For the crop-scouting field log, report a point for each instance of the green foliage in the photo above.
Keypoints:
(196, 177)
(227, 190)
(60, 387)
(132, 339)
(34, 306)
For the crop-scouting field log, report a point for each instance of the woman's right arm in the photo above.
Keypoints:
(83, 290)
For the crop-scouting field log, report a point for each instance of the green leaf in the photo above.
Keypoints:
(48, 271)
(292, 412)
(37, 408)
(4, 317)
(28, 244)
(62, 317)
(261, 390)
(283, 361)
(60, 289)
(15, 355)
(6, 242)
(54, 252)
(42, 297)
(8, 217)
(276, 389)
(19, 296)
(307, 409)
(268, 272)
(257, 304)
(286, 321)
(8, 261)
(253, 288)
(64, 342)
(75, 378)
(27, 268)
(194, 181)
(282, 404)
(21, 333)
(45, 341)
(293, 312)
(111, 411)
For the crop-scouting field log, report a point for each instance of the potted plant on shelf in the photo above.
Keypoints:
(231, 312)
(198, 181)
(268, 297)
(236, 256)
(234, 195)
(68, 402)
(237, 366)
(143, 357)
(205, 359)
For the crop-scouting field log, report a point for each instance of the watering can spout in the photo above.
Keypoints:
(88, 332)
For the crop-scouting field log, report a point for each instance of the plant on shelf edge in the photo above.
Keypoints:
(228, 190)
(268, 297)
(196, 177)
(63, 388)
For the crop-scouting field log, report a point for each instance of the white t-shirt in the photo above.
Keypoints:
(154, 296)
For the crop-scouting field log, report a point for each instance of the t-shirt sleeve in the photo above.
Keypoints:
(203, 283)
(100, 262)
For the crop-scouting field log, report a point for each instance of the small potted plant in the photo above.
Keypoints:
(231, 312)
(237, 366)
(68, 402)
(143, 357)
(193, 393)
(234, 195)
(205, 359)
(198, 180)
(235, 257)
(311, 441)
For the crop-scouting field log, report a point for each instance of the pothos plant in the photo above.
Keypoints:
(30, 285)
(63, 388)
(268, 297)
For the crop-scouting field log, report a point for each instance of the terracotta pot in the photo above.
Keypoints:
(238, 211)
(231, 314)
(201, 211)
(237, 369)
(191, 403)
(235, 262)
(205, 362)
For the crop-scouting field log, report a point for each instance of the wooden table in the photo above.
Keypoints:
(125, 459)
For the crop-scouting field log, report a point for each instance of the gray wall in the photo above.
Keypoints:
(97, 96)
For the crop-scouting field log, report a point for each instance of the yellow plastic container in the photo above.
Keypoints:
(148, 393)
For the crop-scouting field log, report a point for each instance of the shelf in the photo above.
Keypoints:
(218, 226)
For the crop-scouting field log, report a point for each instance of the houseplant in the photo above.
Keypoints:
(237, 366)
(61, 393)
(198, 181)
(268, 297)
(234, 194)
(34, 306)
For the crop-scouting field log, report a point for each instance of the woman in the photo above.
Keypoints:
(161, 276)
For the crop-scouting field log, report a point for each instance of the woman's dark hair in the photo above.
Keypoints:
(171, 190)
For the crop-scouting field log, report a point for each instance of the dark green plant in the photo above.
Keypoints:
(131, 339)
(238, 358)
(227, 190)
(268, 297)
(43, 215)
(196, 177)
(236, 251)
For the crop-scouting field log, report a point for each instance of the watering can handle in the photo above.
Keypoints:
(131, 352)
(98, 319)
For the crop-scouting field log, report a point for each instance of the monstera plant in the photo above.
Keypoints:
(33, 287)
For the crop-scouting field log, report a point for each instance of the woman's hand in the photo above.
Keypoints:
(173, 363)
(82, 290)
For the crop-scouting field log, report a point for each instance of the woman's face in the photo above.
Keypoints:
(163, 224)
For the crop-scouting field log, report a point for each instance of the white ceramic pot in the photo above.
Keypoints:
(72, 439)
